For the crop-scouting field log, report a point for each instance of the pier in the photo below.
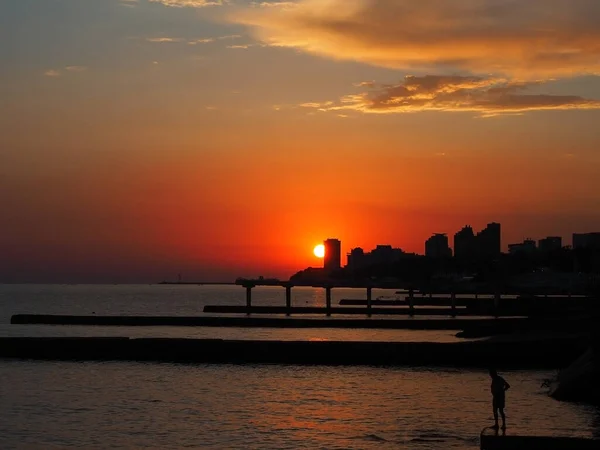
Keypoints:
(476, 304)
(265, 322)
(328, 310)
(543, 354)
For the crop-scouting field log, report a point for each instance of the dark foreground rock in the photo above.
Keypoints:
(579, 381)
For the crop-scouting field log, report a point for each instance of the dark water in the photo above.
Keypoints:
(49, 405)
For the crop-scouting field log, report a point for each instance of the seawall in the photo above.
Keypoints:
(263, 322)
(547, 354)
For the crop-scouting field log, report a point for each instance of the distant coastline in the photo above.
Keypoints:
(200, 283)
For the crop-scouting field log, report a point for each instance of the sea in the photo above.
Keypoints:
(132, 405)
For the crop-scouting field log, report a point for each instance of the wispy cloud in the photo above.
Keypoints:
(191, 3)
(162, 40)
(486, 96)
(168, 39)
(129, 3)
(59, 72)
(523, 38)
(204, 3)
(52, 73)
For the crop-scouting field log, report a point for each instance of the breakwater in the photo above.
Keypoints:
(267, 322)
(467, 327)
(546, 353)
(531, 306)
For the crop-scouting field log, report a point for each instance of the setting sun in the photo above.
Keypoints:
(319, 251)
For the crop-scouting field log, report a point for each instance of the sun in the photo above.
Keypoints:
(319, 251)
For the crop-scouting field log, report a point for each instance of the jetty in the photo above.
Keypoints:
(493, 439)
(254, 321)
(496, 304)
(534, 354)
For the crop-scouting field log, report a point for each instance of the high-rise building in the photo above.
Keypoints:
(383, 254)
(586, 240)
(437, 246)
(356, 258)
(550, 244)
(526, 247)
(489, 243)
(464, 244)
(333, 255)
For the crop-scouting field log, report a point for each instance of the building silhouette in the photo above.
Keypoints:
(437, 246)
(489, 244)
(333, 255)
(485, 245)
(550, 244)
(586, 240)
(464, 244)
(528, 246)
(356, 259)
(380, 255)
(385, 254)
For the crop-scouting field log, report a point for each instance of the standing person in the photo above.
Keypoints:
(499, 387)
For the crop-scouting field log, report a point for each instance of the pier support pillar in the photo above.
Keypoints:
(496, 304)
(453, 303)
(328, 299)
(411, 302)
(369, 299)
(288, 298)
(248, 298)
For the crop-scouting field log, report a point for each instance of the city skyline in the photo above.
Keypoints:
(545, 244)
(144, 138)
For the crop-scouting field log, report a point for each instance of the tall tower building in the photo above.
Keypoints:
(333, 255)
(437, 246)
(489, 242)
(464, 244)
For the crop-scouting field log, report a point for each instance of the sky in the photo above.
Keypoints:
(140, 139)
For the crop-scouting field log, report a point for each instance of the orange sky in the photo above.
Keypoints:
(214, 142)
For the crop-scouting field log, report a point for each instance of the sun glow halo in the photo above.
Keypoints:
(319, 251)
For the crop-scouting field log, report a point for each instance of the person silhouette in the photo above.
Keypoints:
(499, 388)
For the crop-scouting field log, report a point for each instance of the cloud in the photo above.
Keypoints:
(162, 40)
(57, 73)
(52, 73)
(129, 3)
(190, 3)
(487, 96)
(167, 39)
(521, 38)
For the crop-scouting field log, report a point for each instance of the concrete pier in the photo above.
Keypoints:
(328, 310)
(505, 355)
(267, 322)
(468, 328)
(495, 306)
